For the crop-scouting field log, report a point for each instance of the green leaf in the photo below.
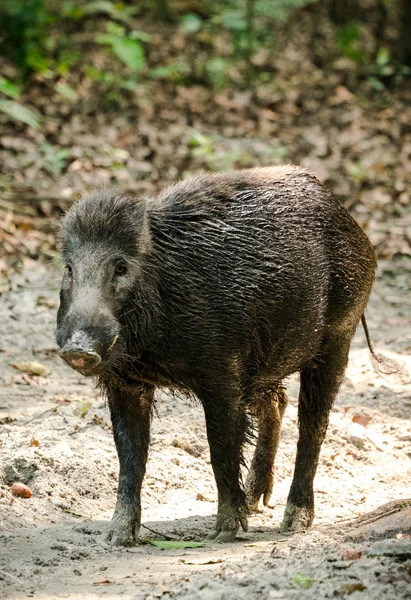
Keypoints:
(142, 36)
(8, 88)
(20, 113)
(66, 91)
(106, 38)
(303, 581)
(217, 71)
(191, 23)
(174, 71)
(173, 544)
(376, 84)
(234, 20)
(383, 57)
(117, 10)
(130, 52)
(115, 29)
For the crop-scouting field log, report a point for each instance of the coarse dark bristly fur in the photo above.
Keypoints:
(221, 286)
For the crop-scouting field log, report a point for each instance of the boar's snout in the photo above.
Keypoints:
(80, 360)
(84, 353)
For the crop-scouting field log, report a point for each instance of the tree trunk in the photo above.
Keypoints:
(249, 17)
(162, 10)
(405, 33)
(343, 11)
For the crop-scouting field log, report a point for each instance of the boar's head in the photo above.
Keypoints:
(104, 241)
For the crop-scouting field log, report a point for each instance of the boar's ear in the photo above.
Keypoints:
(144, 242)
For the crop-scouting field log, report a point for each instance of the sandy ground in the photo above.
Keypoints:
(55, 437)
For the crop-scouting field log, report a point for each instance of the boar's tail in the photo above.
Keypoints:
(382, 364)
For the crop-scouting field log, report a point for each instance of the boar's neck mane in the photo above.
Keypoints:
(168, 299)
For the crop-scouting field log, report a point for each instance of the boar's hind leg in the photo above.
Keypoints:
(130, 409)
(269, 407)
(226, 422)
(319, 384)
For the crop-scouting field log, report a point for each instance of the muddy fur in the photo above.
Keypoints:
(232, 282)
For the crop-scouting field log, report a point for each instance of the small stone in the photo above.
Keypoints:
(20, 490)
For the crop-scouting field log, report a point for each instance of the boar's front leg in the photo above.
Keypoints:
(131, 410)
(226, 423)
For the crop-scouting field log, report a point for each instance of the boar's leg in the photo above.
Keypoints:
(269, 407)
(131, 410)
(226, 422)
(319, 384)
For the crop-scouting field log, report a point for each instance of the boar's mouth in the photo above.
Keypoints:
(86, 361)
(82, 361)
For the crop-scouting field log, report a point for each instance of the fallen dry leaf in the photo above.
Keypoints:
(33, 368)
(351, 554)
(20, 490)
(5, 420)
(361, 420)
(350, 588)
(104, 582)
(212, 561)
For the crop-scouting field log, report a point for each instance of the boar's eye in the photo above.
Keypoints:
(69, 270)
(121, 268)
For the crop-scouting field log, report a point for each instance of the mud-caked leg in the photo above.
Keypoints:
(226, 422)
(269, 407)
(319, 386)
(130, 409)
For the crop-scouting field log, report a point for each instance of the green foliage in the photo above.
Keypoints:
(226, 35)
(111, 86)
(54, 159)
(66, 91)
(303, 581)
(175, 544)
(118, 11)
(14, 110)
(347, 42)
(385, 70)
(249, 24)
(177, 72)
(217, 157)
(24, 33)
(8, 88)
(25, 39)
(127, 48)
(68, 57)
(18, 112)
(191, 23)
(358, 173)
(217, 70)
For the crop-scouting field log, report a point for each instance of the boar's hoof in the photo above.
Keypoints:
(296, 518)
(254, 492)
(228, 523)
(122, 532)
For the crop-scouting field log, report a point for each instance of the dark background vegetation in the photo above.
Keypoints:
(144, 92)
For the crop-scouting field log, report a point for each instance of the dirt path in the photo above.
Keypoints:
(55, 436)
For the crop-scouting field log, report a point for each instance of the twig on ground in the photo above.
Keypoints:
(49, 410)
(163, 535)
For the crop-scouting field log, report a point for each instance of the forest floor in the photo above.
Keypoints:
(55, 437)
